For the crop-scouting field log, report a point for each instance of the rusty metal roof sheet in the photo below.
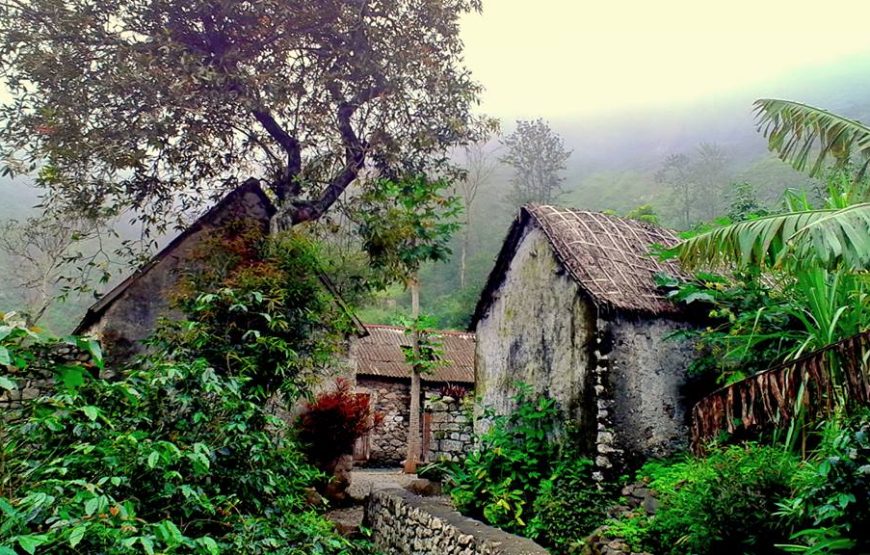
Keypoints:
(380, 354)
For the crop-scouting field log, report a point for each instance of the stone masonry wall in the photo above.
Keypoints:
(539, 330)
(39, 379)
(403, 523)
(389, 441)
(451, 428)
(451, 434)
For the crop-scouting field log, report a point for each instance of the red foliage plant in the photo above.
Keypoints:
(332, 423)
(455, 391)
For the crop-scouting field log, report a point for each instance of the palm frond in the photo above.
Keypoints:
(799, 132)
(825, 237)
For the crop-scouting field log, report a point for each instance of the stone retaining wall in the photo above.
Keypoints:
(403, 523)
(451, 433)
(39, 378)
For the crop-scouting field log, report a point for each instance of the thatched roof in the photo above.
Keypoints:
(380, 354)
(608, 256)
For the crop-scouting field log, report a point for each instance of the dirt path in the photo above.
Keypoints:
(365, 480)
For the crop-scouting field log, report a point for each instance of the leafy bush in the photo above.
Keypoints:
(751, 325)
(500, 480)
(569, 505)
(176, 452)
(169, 457)
(722, 503)
(339, 415)
(259, 309)
(524, 480)
(832, 491)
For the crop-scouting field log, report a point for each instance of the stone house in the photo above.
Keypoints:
(128, 314)
(571, 309)
(381, 373)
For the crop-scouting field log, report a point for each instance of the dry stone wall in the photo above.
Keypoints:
(389, 441)
(403, 523)
(39, 379)
(452, 436)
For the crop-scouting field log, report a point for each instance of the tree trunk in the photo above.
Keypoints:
(463, 254)
(413, 457)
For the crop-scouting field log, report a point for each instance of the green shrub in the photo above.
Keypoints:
(831, 502)
(525, 480)
(569, 505)
(723, 503)
(499, 481)
(176, 453)
(168, 457)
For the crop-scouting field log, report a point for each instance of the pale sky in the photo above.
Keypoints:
(579, 58)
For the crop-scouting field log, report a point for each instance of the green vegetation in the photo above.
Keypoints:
(758, 499)
(177, 452)
(722, 503)
(523, 480)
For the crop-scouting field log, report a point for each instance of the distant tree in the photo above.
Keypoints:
(643, 213)
(744, 203)
(538, 157)
(149, 105)
(678, 174)
(38, 251)
(479, 165)
(697, 181)
(710, 169)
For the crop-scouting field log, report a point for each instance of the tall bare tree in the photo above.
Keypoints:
(676, 172)
(37, 251)
(480, 163)
(710, 168)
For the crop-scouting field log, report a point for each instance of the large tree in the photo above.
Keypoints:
(147, 105)
(538, 156)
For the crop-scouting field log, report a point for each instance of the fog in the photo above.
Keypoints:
(626, 84)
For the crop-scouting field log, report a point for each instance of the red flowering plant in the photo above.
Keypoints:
(334, 421)
(455, 391)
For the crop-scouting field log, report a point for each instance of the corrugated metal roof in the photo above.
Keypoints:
(380, 354)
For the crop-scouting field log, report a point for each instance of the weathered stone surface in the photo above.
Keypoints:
(536, 331)
(648, 381)
(405, 524)
(617, 376)
(451, 429)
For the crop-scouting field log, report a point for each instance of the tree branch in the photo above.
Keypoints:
(287, 185)
(354, 156)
